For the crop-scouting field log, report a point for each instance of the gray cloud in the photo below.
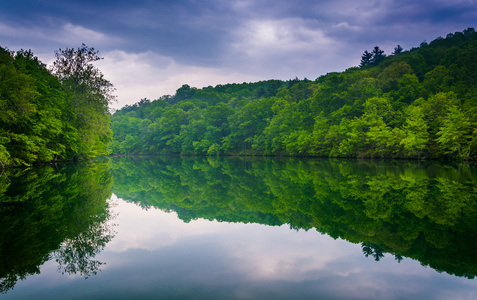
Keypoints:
(252, 39)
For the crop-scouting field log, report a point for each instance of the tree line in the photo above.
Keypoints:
(419, 103)
(49, 114)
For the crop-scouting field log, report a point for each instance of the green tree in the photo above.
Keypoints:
(455, 135)
(397, 50)
(437, 80)
(369, 135)
(409, 89)
(378, 55)
(390, 77)
(366, 59)
(88, 95)
(415, 134)
(321, 128)
(31, 115)
(169, 128)
(436, 109)
(248, 122)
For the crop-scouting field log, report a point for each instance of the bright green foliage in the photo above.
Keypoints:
(29, 125)
(88, 95)
(45, 118)
(414, 133)
(398, 106)
(455, 135)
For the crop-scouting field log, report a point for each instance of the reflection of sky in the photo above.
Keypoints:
(154, 255)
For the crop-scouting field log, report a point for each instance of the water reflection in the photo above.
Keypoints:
(53, 212)
(426, 211)
(59, 218)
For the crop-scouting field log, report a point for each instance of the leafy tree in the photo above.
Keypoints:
(456, 132)
(184, 92)
(437, 80)
(408, 90)
(390, 77)
(415, 134)
(88, 97)
(318, 136)
(31, 116)
(436, 109)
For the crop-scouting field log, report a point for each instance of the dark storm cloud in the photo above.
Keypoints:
(429, 11)
(188, 29)
(237, 40)
(184, 29)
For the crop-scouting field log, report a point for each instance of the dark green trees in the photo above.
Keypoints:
(397, 50)
(372, 58)
(366, 59)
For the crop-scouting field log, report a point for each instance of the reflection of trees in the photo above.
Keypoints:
(47, 213)
(420, 210)
(370, 249)
(76, 256)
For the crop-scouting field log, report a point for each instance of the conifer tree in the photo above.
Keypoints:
(366, 59)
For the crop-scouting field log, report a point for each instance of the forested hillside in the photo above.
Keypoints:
(57, 114)
(419, 103)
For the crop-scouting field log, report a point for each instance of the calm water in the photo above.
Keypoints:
(236, 228)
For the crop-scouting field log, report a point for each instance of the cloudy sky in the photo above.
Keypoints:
(152, 47)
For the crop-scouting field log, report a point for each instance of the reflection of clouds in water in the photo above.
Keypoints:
(156, 255)
(257, 252)
(152, 229)
(255, 261)
(263, 252)
(278, 253)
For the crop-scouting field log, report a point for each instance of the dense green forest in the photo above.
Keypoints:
(419, 103)
(59, 113)
(424, 211)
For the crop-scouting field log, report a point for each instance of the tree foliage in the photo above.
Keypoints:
(52, 115)
(419, 103)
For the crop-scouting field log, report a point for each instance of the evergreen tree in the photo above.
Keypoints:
(366, 59)
(378, 55)
(397, 50)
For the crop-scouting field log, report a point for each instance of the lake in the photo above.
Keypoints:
(239, 228)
